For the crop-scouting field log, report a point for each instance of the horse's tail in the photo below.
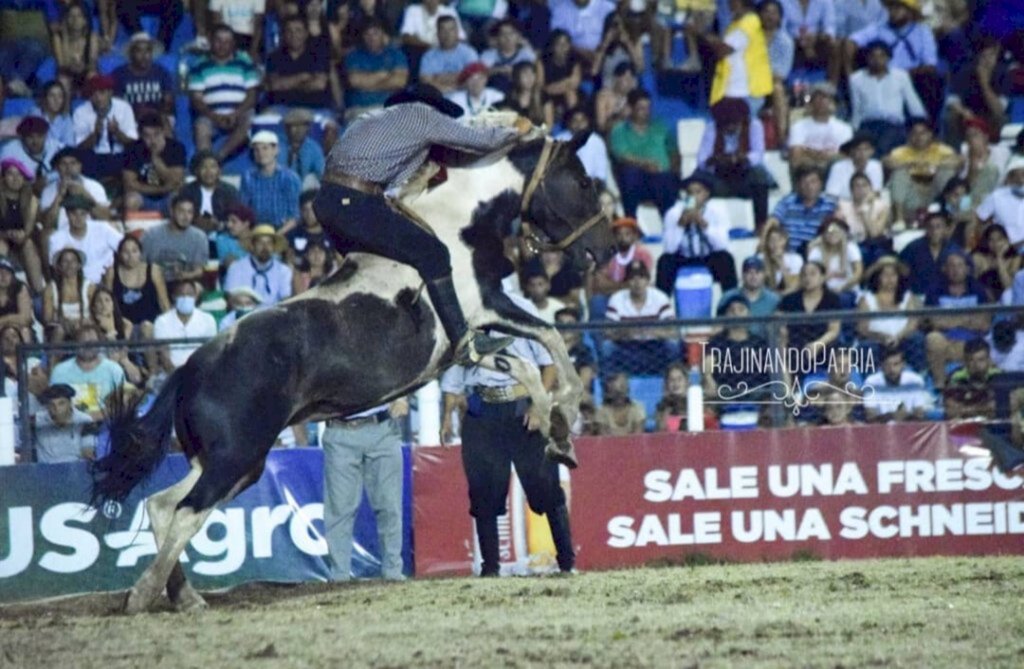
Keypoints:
(137, 443)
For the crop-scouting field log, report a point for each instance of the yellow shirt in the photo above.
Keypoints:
(927, 159)
(746, 72)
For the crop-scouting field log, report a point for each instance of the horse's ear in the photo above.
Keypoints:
(578, 140)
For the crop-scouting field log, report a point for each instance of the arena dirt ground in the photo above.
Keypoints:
(937, 612)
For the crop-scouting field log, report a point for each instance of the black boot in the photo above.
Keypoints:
(558, 521)
(469, 346)
(490, 555)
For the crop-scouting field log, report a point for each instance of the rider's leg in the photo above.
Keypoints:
(372, 226)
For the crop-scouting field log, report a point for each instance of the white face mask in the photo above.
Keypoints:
(185, 304)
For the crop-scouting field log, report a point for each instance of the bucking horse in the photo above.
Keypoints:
(364, 336)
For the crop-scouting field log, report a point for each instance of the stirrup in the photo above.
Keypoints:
(476, 345)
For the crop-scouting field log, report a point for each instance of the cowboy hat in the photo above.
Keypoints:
(883, 262)
(265, 230)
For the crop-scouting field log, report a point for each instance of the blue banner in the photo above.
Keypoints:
(53, 543)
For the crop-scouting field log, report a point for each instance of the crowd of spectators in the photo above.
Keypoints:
(224, 137)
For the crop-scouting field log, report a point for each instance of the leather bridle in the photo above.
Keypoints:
(537, 181)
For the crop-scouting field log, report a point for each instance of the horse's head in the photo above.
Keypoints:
(560, 203)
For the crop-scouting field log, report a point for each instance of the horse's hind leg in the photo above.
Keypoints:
(161, 510)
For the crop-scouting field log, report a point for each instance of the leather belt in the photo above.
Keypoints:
(355, 183)
(372, 419)
(498, 394)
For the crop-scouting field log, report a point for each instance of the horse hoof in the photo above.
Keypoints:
(563, 452)
(134, 603)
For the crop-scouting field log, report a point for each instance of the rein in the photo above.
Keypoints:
(536, 180)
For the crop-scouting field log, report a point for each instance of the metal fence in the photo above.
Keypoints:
(755, 371)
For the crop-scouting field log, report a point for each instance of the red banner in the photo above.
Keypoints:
(830, 492)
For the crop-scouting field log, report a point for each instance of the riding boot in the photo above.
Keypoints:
(469, 345)
(490, 555)
(558, 521)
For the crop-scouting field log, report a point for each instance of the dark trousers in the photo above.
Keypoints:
(104, 167)
(719, 263)
(751, 183)
(887, 135)
(356, 221)
(171, 12)
(638, 185)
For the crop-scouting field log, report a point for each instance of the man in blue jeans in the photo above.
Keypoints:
(364, 450)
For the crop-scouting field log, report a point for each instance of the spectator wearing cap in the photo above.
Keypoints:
(611, 104)
(732, 149)
(441, 66)
(53, 108)
(583, 21)
(58, 433)
(143, 83)
(222, 87)
(815, 140)
(154, 168)
(696, 233)
(957, 289)
(19, 207)
(231, 241)
(104, 127)
(509, 50)
(89, 372)
(33, 148)
(96, 240)
(858, 156)
(297, 72)
(474, 95)
(639, 350)
(271, 191)
(802, 212)
(301, 154)
(170, 13)
(182, 321)
(881, 97)
(612, 276)
(1005, 205)
(743, 69)
(977, 91)
(866, 212)
(732, 343)
(646, 153)
(242, 301)
(912, 48)
(66, 180)
(374, 70)
(180, 248)
(211, 196)
(926, 254)
(537, 289)
(760, 300)
(983, 162)
(261, 269)
(919, 170)
(314, 264)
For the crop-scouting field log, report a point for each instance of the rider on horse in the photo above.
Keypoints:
(371, 163)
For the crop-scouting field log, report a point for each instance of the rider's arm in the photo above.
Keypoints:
(446, 131)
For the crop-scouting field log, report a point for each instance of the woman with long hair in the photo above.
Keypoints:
(781, 266)
(54, 106)
(75, 47)
(15, 301)
(867, 214)
(314, 265)
(840, 256)
(670, 413)
(996, 262)
(886, 289)
(104, 312)
(138, 286)
(19, 208)
(813, 296)
(524, 97)
(617, 46)
(67, 295)
(560, 76)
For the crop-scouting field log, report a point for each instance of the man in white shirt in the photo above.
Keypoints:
(815, 139)
(97, 240)
(104, 127)
(1005, 205)
(594, 153)
(419, 23)
(860, 157)
(66, 180)
(883, 99)
(895, 393)
(639, 350)
(246, 20)
(183, 321)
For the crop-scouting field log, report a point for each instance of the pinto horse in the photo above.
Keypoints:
(366, 335)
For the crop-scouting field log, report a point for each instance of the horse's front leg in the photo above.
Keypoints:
(528, 375)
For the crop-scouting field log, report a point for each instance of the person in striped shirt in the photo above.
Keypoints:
(223, 89)
(639, 350)
(802, 211)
